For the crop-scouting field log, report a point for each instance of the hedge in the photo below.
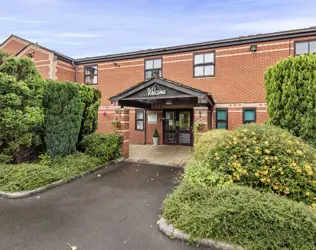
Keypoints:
(63, 116)
(105, 147)
(268, 158)
(291, 96)
(242, 216)
(91, 99)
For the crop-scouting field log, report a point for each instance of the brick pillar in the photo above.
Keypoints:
(122, 114)
(201, 117)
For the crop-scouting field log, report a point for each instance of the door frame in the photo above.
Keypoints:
(177, 127)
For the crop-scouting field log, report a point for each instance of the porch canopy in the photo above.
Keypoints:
(160, 91)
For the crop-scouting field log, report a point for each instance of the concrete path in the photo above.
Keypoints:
(162, 154)
(116, 211)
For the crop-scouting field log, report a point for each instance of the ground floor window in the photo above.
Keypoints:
(222, 118)
(249, 115)
(139, 119)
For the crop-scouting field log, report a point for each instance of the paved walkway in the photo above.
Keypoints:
(114, 211)
(162, 154)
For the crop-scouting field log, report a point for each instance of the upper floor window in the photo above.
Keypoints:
(204, 64)
(305, 47)
(91, 74)
(153, 67)
(249, 115)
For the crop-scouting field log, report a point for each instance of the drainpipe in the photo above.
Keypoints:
(145, 111)
(76, 69)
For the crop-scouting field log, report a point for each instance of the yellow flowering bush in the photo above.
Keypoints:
(204, 142)
(265, 157)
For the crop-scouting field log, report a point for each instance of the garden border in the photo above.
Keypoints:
(110, 166)
(174, 233)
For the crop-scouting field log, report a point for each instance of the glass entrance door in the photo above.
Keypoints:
(178, 127)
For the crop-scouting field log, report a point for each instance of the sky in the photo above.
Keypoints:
(82, 28)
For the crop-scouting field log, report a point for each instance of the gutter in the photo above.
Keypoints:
(76, 69)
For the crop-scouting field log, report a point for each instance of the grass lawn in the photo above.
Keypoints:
(14, 178)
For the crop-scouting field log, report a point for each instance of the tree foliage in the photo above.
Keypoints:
(91, 99)
(291, 95)
(21, 119)
(63, 115)
(21, 92)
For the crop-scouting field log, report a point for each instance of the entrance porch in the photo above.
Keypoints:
(169, 107)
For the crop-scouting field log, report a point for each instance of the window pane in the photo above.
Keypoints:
(301, 48)
(140, 125)
(157, 63)
(198, 71)
(87, 70)
(139, 114)
(149, 74)
(249, 115)
(209, 58)
(94, 70)
(198, 59)
(221, 114)
(312, 47)
(209, 70)
(91, 79)
(156, 72)
(149, 64)
(221, 125)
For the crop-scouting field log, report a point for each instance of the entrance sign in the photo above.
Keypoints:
(155, 90)
(152, 118)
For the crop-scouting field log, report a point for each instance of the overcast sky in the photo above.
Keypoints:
(80, 28)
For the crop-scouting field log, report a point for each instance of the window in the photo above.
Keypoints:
(139, 120)
(204, 64)
(91, 74)
(153, 67)
(221, 118)
(305, 47)
(249, 115)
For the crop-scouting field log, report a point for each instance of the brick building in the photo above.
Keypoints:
(217, 84)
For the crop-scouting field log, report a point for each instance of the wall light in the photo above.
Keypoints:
(169, 102)
(253, 48)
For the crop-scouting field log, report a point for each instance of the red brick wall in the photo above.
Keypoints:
(239, 78)
(65, 72)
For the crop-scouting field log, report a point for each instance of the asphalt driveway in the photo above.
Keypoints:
(114, 211)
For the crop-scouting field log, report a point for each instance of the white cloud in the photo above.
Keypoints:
(77, 35)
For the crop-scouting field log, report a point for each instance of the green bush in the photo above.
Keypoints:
(291, 87)
(204, 142)
(106, 147)
(63, 116)
(242, 216)
(91, 99)
(21, 177)
(266, 157)
(22, 118)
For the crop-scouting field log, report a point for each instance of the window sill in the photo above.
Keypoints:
(91, 84)
(203, 77)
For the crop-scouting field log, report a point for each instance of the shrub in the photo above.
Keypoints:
(291, 87)
(21, 177)
(243, 216)
(156, 134)
(106, 147)
(22, 117)
(266, 157)
(91, 99)
(63, 114)
(204, 142)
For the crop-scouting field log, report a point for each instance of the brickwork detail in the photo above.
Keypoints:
(122, 114)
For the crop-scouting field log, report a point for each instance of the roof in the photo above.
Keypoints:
(137, 86)
(59, 55)
(185, 48)
(204, 45)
